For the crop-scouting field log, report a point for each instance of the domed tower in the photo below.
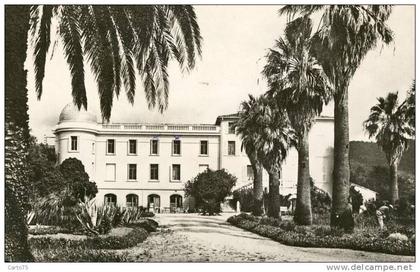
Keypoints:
(75, 136)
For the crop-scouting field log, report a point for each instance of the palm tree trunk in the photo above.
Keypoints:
(303, 213)
(394, 182)
(274, 194)
(258, 207)
(16, 134)
(341, 173)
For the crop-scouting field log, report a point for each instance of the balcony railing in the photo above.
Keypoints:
(162, 127)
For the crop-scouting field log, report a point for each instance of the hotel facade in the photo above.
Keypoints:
(136, 164)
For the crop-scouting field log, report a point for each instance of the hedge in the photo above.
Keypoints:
(130, 239)
(287, 233)
(78, 255)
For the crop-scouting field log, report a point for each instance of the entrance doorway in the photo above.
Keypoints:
(153, 203)
(175, 203)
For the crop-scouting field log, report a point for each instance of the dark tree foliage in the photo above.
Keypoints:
(77, 180)
(245, 198)
(16, 134)
(44, 177)
(321, 200)
(356, 199)
(370, 154)
(209, 189)
(377, 178)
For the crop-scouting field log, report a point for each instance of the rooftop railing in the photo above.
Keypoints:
(162, 127)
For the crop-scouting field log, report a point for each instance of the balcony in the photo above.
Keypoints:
(196, 128)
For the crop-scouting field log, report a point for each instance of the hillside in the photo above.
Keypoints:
(370, 155)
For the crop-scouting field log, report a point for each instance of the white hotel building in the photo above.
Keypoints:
(135, 164)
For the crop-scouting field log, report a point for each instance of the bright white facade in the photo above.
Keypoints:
(148, 164)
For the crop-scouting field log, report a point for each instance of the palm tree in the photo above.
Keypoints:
(390, 125)
(346, 33)
(247, 127)
(410, 104)
(116, 41)
(274, 138)
(297, 82)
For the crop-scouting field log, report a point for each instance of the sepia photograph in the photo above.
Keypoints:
(209, 133)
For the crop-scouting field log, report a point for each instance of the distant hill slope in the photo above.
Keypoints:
(369, 154)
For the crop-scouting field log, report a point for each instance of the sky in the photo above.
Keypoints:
(235, 41)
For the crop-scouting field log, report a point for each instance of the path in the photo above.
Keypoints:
(196, 238)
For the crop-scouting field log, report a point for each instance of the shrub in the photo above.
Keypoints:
(149, 224)
(320, 200)
(78, 255)
(398, 236)
(287, 225)
(324, 236)
(131, 239)
(42, 230)
(322, 230)
(270, 221)
(245, 198)
(209, 189)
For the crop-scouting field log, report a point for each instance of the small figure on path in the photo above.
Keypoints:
(382, 213)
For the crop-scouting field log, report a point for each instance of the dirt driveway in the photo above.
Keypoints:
(196, 238)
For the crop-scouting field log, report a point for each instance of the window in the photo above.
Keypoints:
(110, 147)
(132, 200)
(202, 167)
(249, 172)
(176, 147)
(93, 148)
(176, 172)
(231, 128)
(110, 172)
(154, 147)
(204, 150)
(110, 199)
(73, 144)
(132, 147)
(154, 172)
(132, 171)
(231, 148)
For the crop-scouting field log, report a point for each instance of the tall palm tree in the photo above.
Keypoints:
(247, 127)
(274, 138)
(390, 125)
(116, 41)
(296, 80)
(346, 33)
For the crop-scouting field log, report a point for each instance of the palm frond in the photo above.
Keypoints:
(70, 34)
(42, 45)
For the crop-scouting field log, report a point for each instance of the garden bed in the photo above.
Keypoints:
(65, 247)
(286, 232)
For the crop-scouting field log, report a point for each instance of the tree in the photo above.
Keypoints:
(16, 135)
(44, 177)
(389, 123)
(247, 127)
(275, 137)
(346, 33)
(210, 188)
(410, 104)
(297, 82)
(77, 180)
(112, 39)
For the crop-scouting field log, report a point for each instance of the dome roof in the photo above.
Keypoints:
(72, 113)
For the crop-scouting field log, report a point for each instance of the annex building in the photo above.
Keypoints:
(144, 164)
